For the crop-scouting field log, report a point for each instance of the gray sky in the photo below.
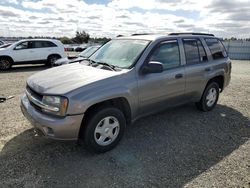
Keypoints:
(113, 17)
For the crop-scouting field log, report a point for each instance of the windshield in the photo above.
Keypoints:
(121, 53)
(89, 51)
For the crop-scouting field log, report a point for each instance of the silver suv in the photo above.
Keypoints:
(126, 79)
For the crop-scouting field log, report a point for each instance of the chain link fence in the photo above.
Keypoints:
(238, 49)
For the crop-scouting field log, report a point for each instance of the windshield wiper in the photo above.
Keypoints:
(91, 62)
(108, 65)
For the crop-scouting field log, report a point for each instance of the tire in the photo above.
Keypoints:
(104, 124)
(209, 98)
(52, 59)
(5, 63)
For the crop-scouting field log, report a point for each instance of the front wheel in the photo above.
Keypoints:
(5, 63)
(104, 129)
(209, 98)
(52, 59)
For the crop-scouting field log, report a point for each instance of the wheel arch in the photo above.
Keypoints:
(120, 102)
(6, 56)
(219, 80)
(54, 54)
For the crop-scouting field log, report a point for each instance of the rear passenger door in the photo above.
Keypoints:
(196, 67)
(204, 58)
(36, 51)
(160, 90)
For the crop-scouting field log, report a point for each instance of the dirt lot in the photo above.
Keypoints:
(181, 147)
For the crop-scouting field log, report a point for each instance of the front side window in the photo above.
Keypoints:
(194, 51)
(216, 48)
(21, 46)
(168, 54)
(122, 52)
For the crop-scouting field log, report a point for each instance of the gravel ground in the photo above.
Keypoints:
(180, 147)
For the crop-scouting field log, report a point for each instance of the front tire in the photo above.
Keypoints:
(5, 63)
(209, 98)
(52, 59)
(104, 129)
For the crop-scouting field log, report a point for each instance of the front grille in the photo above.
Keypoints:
(35, 95)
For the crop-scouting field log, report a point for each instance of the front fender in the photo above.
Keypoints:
(81, 102)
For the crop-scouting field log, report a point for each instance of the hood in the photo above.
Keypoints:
(64, 61)
(63, 79)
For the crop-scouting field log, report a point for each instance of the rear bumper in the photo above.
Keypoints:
(66, 128)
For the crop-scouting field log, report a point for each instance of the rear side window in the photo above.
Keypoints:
(168, 54)
(35, 44)
(48, 44)
(216, 48)
(41, 44)
(194, 51)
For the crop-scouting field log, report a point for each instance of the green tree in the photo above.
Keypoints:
(81, 37)
(66, 40)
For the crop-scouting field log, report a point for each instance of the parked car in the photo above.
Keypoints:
(83, 55)
(1, 43)
(126, 79)
(5, 45)
(31, 51)
(80, 49)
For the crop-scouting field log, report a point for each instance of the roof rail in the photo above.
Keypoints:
(207, 34)
(136, 34)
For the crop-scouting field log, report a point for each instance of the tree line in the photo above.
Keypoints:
(79, 38)
(83, 37)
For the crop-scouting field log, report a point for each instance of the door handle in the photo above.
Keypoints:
(177, 76)
(208, 69)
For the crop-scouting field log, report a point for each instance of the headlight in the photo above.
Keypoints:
(55, 105)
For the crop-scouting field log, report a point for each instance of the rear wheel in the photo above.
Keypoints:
(5, 63)
(104, 129)
(209, 98)
(52, 59)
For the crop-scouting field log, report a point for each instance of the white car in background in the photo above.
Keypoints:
(1, 43)
(31, 51)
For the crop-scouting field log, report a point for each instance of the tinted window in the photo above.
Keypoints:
(35, 44)
(194, 51)
(217, 49)
(48, 44)
(168, 54)
(202, 53)
(41, 44)
(191, 51)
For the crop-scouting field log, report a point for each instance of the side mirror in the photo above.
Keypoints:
(152, 67)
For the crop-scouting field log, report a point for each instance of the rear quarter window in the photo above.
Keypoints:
(217, 49)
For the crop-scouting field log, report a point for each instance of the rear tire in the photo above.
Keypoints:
(5, 63)
(209, 98)
(52, 59)
(104, 129)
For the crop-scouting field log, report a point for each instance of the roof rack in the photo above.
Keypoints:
(207, 34)
(136, 34)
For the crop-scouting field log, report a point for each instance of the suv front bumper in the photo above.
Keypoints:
(65, 128)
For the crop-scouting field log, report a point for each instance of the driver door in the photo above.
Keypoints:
(23, 52)
(160, 90)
